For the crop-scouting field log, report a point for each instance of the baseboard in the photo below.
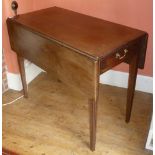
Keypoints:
(14, 80)
(120, 79)
(111, 77)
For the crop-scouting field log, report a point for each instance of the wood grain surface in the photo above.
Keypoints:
(73, 68)
(54, 121)
(76, 49)
(87, 35)
(23, 75)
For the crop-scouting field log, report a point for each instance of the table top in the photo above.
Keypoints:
(90, 35)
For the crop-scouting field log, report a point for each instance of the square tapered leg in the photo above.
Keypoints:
(23, 76)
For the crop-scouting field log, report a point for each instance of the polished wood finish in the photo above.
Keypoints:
(93, 119)
(23, 76)
(57, 60)
(87, 35)
(110, 61)
(76, 49)
(133, 68)
(93, 108)
(54, 121)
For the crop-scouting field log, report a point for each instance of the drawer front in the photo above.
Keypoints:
(122, 54)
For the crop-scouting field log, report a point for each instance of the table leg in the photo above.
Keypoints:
(23, 76)
(133, 68)
(93, 107)
(93, 119)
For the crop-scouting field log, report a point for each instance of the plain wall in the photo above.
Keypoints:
(10, 56)
(134, 13)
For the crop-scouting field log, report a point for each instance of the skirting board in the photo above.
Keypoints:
(120, 79)
(14, 80)
(114, 78)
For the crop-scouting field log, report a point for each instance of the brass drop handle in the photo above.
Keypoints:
(118, 56)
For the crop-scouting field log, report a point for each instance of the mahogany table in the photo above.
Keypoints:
(77, 48)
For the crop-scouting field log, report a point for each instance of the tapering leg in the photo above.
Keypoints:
(133, 68)
(23, 76)
(93, 107)
(93, 119)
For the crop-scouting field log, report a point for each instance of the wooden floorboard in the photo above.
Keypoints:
(10, 96)
(54, 121)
